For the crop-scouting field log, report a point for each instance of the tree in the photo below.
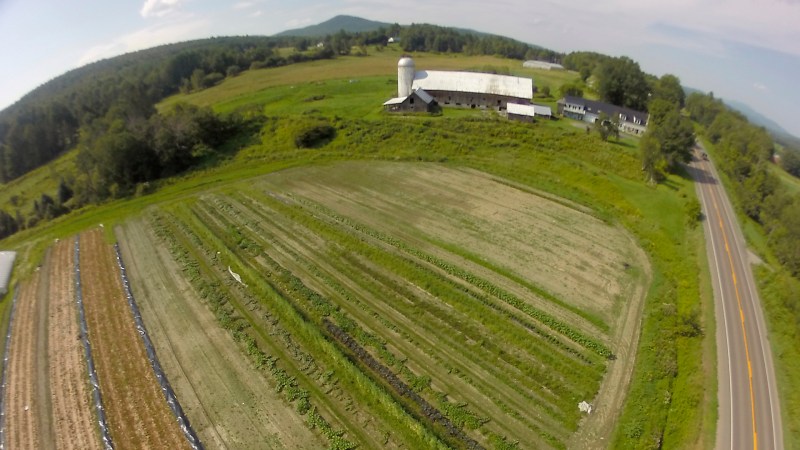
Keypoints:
(64, 193)
(669, 88)
(607, 126)
(653, 163)
(620, 81)
(197, 79)
(571, 89)
(675, 135)
(668, 141)
(790, 161)
(659, 109)
(8, 225)
(545, 91)
(233, 70)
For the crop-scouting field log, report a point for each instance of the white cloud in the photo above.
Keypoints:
(294, 23)
(244, 5)
(145, 38)
(159, 8)
(257, 14)
(760, 86)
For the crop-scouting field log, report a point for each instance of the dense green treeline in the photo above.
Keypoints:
(745, 155)
(432, 38)
(46, 122)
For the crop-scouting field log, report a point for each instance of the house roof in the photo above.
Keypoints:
(394, 101)
(6, 264)
(421, 94)
(529, 110)
(595, 107)
(424, 96)
(478, 83)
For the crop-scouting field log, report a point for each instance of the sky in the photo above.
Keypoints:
(743, 50)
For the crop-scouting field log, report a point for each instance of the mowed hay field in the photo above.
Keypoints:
(393, 305)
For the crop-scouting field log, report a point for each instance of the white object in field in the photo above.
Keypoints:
(235, 275)
(585, 407)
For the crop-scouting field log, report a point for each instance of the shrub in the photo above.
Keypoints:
(314, 136)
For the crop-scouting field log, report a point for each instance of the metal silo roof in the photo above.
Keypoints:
(477, 83)
(405, 62)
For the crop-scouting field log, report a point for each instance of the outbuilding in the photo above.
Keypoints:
(417, 101)
(533, 64)
(464, 89)
(526, 113)
(6, 265)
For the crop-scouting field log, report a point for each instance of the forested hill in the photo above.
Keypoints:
(349, 24)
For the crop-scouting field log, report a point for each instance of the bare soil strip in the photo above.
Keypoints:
(229, 403)
(137, 412)
(73, 419)
(22, 421)
(45, 409)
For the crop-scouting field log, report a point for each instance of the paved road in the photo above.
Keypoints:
(749, 413)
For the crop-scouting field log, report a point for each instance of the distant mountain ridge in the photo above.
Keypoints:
(350, 24)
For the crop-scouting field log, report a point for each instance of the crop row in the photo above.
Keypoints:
(538, 378)
(422, 275)
(536, 289)
(419, 383)
(264, 234)
(439, 287)
(218, 301)
(213, 233)
(483, 284)
(319, 307)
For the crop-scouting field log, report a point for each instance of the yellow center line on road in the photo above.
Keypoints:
(741, 315)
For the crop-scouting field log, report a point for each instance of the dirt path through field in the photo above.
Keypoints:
(45, 409)
(596, 428)
(22, 421)
(230, 404)
(73, 420)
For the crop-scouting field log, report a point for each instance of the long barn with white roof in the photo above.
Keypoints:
(464, 89)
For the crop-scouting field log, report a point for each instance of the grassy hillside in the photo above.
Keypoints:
(300, 81)
(555, 159)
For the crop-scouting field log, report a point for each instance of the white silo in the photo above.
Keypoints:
(405, 76)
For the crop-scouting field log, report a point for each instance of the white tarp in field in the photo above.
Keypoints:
(6, 265)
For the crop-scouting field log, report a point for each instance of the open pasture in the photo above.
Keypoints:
(410, 304)
(353, 86)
